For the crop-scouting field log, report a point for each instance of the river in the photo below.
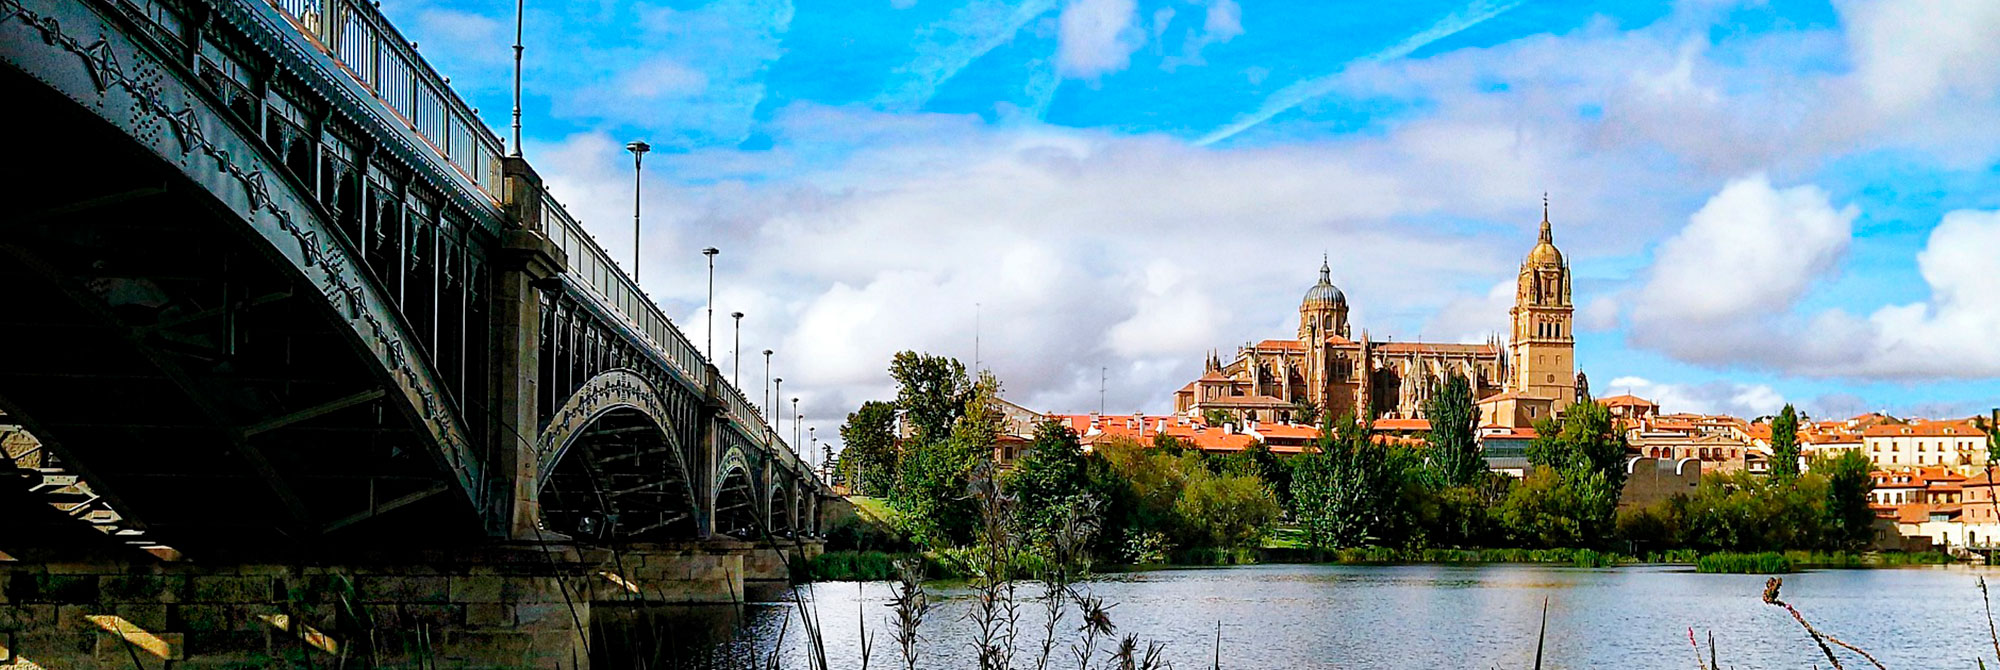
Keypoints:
(1474, 617)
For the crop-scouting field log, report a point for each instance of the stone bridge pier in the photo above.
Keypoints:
(495, 607)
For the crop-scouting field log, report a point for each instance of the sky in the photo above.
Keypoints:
(1763, 202)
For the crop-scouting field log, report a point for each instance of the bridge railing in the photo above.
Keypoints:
(385, 64)
(379, 59)
(593, 267)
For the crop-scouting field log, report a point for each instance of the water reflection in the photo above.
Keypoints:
(1398, 617)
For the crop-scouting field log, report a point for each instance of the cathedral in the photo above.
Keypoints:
(1529, 375)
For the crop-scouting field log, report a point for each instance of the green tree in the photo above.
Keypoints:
(1226, 511)
(1346, 493)
(932, 391)
(1454, 456)
(1216, 418)
(1847, 489)
(868, 459)
(1305, 411)
(1045, 478)
(934, 474)
(1785, 446)
(1584, 455)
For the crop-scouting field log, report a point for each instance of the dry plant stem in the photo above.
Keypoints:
(1697, 650)
(1771, 596)
(861, 615)
(1990, 632)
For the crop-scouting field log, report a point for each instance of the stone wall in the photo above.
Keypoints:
(497, 614)
(488, 608)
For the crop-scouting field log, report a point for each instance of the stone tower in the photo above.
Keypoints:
(1322, 314)
(1543, 346)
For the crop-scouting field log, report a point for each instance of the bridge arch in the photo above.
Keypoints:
(738, 497)
(610, 466)
(180, 288)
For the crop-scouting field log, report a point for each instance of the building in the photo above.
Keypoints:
(1953, 443)
(1326, 366)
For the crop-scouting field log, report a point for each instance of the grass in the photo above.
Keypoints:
(1761, 563)
(873, 566)
(875, 509)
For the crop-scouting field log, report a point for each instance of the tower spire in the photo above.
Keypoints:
(1325, 271)
(1548, 236)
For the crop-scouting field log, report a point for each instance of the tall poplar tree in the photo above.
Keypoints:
(1785, 446)
(1454, 455)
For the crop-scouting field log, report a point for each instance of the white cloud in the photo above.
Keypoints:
(1715, 397)
(1909, 53)
(1097, 37)
(1751, 250)
(945, 48)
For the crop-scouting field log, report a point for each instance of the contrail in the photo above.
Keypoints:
(923, 76)
(1306, 89)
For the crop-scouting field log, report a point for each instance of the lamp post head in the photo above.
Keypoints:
(710, 252)
(768, 352)
(638, 147)
(780, 380)
(736, 315)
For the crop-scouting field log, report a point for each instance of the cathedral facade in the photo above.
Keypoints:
(1531, 373)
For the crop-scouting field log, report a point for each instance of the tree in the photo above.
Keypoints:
(1046, 477)
(1216, 418)
(935, 473)
(1347, 492)
(1848, 486)
(1226, 511)
(868, 459)
(1785, 446)
(1454, 456)
(1585, 454)
(1305, 411)
(933, 392)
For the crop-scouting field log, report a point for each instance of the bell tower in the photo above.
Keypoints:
(1322, 314)
(1542, 343)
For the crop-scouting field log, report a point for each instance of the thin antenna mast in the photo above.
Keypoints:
(519, 6)
(975, 336)
(1102, 374)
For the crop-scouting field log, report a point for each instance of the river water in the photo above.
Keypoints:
(1477, 617)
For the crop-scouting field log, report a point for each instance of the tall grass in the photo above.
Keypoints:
(1762, 563)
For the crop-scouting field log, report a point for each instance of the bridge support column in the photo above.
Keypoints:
(529, 261)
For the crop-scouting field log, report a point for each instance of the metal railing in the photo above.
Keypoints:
(381, 61)
(593, 268)
(377, 57)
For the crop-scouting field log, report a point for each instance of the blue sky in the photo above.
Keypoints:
(1764, 202)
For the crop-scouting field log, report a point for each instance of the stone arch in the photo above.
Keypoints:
(784, 511)
(736, 495)
(609, 466)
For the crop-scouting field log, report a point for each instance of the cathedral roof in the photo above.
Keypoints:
(1323, 294)
(1545, 252)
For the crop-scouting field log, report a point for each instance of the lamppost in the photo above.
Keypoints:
(767, 382)
(779, 384)
(638, 149)
(710, 253)
(796, 418)
(736, 354)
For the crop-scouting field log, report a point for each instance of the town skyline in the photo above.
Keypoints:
(1119, 186)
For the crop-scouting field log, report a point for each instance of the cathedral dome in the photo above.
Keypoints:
(1324, 294)
(1545, 253)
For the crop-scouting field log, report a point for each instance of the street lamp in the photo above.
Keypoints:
(796, 417)
(638, 149)
(710, 253)
(779, 383)
(767, 382)
(736, 354)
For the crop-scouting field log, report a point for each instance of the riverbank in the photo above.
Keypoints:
(869, 566)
